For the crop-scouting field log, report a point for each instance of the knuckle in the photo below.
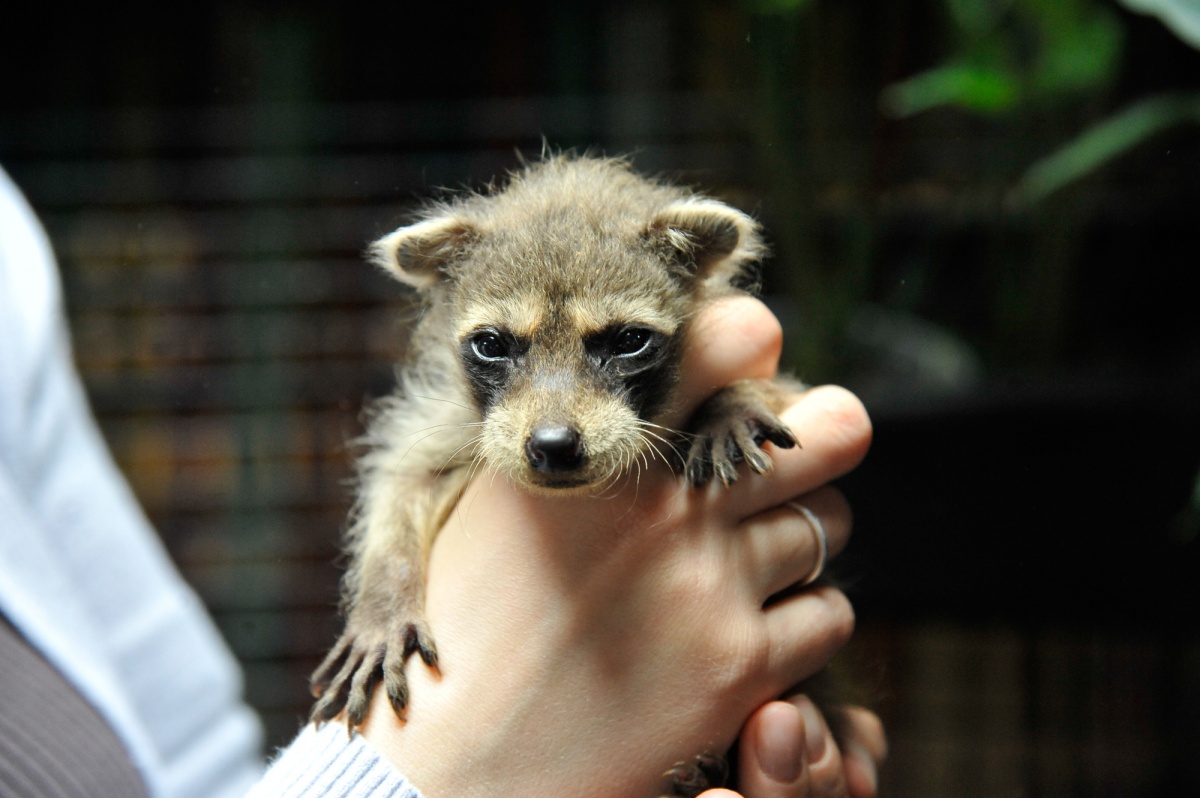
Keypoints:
(838, 615)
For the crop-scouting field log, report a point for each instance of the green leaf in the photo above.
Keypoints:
(989, 90)
(1100, 144)
(977, 17)
(1079, 54)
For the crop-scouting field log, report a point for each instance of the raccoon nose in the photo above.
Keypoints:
(553, 447)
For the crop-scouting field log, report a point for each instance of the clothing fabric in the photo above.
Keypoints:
(53, 744)
(330, 762)
(83, 577)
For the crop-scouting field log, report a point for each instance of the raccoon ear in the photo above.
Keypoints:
(417, 254)
(707, 237)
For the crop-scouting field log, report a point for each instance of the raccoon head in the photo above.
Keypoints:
(567, 302)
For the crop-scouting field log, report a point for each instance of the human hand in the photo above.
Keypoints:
(787, 751)
(577, 632)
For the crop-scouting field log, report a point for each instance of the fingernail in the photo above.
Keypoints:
(778, 750)
(814, 731)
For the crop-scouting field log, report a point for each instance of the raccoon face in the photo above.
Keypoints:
(568, 405)
(567, 297)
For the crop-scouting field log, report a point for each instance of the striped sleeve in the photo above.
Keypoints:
(330, 763)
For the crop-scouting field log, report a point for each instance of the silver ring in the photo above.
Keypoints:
(822, 541)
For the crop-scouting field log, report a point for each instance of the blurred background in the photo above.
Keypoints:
(983, 216)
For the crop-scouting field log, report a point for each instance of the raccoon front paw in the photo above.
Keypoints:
(361, 658)
(731, 428)
(689, 779)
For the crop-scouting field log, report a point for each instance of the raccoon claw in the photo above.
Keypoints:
(338, 680)
(699, 467)
(347, 678)
(418, 640)
(777, 434)
(723, 445)
(704, 772)
(732, 427)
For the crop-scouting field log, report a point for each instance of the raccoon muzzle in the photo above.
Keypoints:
(554, 448)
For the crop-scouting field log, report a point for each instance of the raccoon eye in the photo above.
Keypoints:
(631, 341)
(488, 345)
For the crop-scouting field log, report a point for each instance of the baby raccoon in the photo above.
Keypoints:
(555, 312)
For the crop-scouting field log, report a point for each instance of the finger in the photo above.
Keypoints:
(861, 773)
(731, 339)
(785, 548)
(772, 762)
(864, 750)
(826, 772)
(834, 433)
(804, 631)
(864, 728)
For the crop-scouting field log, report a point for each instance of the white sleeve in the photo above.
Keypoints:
(83, 575)
(330, 763)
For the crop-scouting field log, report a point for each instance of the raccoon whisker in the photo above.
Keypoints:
(641, 457)
(478, 468)
(646, 436)
(637, 485)
(627, 464)
(647, 428)
(656, 451)
(472, 469)
(429, 433)
(476, 464)
(603, 492)
(650, 433)
(377, 441)
(611, 480)
(637, 489)
(474, 440)
(619, 466)
(459, 512)
(671, 430)
(634, 471)
(661, 456)
(630, 450)
(447, 463)
(433, 430)
(440, 399)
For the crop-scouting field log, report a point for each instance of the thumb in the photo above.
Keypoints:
(732, 339)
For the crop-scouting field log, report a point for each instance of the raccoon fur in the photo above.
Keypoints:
(555, 310)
